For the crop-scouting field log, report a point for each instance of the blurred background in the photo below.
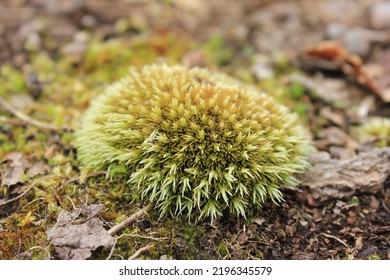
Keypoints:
(265, 25)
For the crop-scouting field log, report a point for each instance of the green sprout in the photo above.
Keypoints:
(193, 142)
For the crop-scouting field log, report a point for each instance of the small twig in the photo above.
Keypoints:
(140, 251)
(130, 235)
(29, 120)
(335, 238)
(130, 219)
(17, 197)
(26, 191)
(112, 250)
(48, 257)
(11, 121)
(140, 236)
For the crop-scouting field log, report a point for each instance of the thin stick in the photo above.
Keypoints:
(131, 235)
(29, 120)
(335, 238)
(141, 236)
(111, 251)
(11, 121)
(130, 219)
(48, 257)
(140, 251)
(17, 197)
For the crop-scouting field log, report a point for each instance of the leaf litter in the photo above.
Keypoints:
(78, 233)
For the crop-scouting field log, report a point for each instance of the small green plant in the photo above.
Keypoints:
(374, 257)
(193, 142)
(375, 130)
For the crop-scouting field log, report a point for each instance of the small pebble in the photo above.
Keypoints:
(303, 223)
(336, 211)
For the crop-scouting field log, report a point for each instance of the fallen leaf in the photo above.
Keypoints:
(92, 210)
(331, 55)
(13, 172)
(330, 50)
(12, 176)
(75, 238)
(37, 168)
(16, 158)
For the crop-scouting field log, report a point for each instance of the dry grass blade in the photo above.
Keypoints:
(335, 238)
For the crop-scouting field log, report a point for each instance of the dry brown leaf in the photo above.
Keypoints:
(334, 56)
(38, 168)
(12, 176)
(329, 50)
(75, 238)
(13, 173)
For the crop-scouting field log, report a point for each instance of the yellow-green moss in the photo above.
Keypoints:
(191, 140)
(374, 129)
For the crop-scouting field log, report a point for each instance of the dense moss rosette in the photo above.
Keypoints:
(193, 141)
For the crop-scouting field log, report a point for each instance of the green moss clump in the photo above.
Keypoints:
(193, 141)
(374, 129)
